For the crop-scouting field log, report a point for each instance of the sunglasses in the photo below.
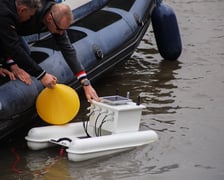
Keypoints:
(57, 27)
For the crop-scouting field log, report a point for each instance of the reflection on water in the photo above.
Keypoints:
(184, 104)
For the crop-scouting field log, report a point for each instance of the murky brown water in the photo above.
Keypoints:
(185, 105)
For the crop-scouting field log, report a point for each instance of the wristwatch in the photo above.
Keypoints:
(85, 82)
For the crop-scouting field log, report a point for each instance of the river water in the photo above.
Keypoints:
(184, 104)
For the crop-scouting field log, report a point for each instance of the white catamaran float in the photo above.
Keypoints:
(113, 127)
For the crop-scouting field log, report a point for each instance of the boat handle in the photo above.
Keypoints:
(98, 52)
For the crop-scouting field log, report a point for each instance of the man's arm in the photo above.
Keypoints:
(12, 48)
(69, 54)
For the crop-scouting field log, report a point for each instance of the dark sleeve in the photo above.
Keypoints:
(12, 48)
(68, 52)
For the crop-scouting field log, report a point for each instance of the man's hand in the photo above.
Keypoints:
(49, 80)
(90, 93)
(4, 72)
(21, 74)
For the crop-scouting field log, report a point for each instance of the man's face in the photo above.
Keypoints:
(57, 27)
(25, 13)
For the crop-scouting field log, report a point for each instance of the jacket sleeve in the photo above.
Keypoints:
(11, 46)
(69, 53)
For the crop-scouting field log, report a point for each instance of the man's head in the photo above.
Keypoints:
(59, 18)
(27, 8)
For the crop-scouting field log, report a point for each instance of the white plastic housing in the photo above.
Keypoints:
(115, 118)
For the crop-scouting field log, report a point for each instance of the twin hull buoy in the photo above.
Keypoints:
(166, 31)
(113, 127)
(78, 148)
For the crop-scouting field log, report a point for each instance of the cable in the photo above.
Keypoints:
(101, 124)
(85, 124)
(96, 124)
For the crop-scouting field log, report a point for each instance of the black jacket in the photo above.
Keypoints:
(9, 39)
(35, 25)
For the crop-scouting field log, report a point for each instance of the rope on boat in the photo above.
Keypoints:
(14, 166)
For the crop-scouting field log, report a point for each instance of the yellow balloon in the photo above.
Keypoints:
(58, 105)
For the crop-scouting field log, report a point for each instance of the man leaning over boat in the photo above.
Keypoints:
(13, 12)
(56, 18)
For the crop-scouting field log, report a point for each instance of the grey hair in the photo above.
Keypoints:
(61, 10)
(32, 4)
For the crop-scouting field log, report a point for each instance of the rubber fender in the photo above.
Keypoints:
(166, 31)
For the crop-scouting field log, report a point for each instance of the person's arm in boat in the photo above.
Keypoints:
(69, 54)
(19, 69)
(47, 80)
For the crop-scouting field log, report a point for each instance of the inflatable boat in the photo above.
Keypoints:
(105, 34)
